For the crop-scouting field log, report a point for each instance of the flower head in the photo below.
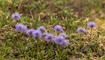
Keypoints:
(91, 25)
(49, 37)
(63, 34)
(37, 34)
(41, 28)
(80, 29)
(58, 28)
(59, 39)
(65, 43)
(16, 16)
(20, 27)
(45, 34)
(29, 32)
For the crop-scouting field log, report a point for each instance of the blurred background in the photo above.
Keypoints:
(45, 10)
(83, 8)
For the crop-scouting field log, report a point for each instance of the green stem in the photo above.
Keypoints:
(91, 33)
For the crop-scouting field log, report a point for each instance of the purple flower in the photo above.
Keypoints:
(45, 34)
(63, 34)
(80, 29)
(37, 34)
(20, 27)
(16, 16)
(58, 28)
(49, 37)
(59, 39)
(91, 25)
(65, 43)
(29, 32)
(41, 28)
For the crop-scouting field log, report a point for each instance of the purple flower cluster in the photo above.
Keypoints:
(41, 28)
(65, 43)
(80, 29)
(58, 28)
(45, 34)
(89, 25)
(39, 32)
(29, 31)
(16, 16)
(20, 27)
(49, 37)
(60, 39)
(63, 35)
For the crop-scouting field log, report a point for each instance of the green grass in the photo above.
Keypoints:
(35, 13)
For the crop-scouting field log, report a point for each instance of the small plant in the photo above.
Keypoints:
(80, 29)
(91, 25)
(20, 27)
(16, 16)
(58, 28)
